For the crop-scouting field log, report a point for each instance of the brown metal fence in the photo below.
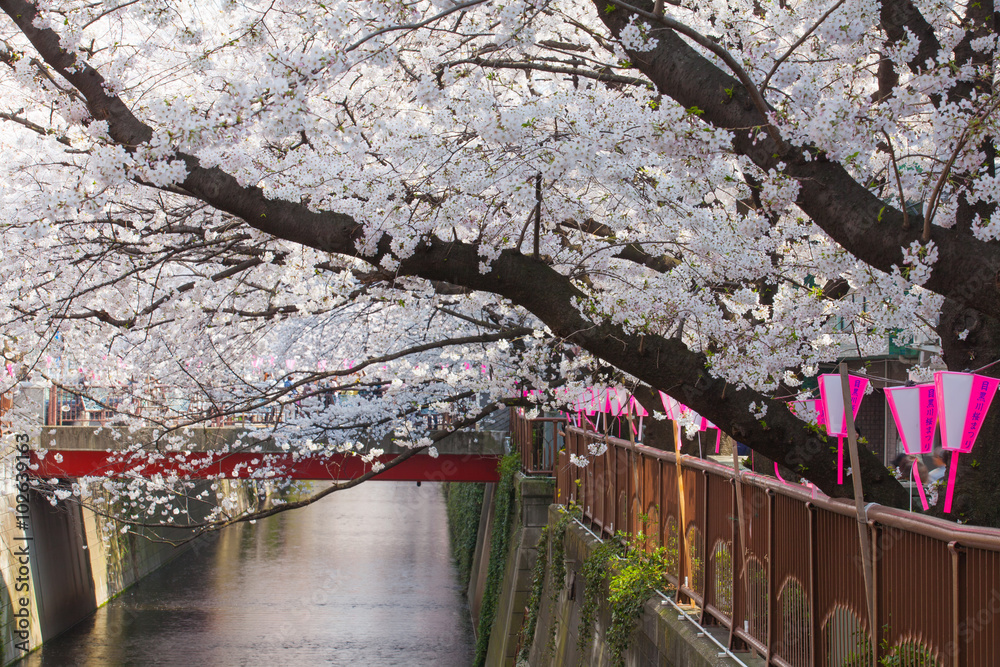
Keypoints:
(538, 441)
(795, 592)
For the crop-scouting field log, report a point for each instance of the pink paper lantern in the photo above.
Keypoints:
(635, 407)
(810, 411)
(914, 410)
(616, 401)
(671, 406)
(701, 421)
(963, 399)
(832, 397)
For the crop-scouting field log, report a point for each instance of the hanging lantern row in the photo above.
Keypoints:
(677, 411)
(594, 406)
(602, 403)
(959, 401)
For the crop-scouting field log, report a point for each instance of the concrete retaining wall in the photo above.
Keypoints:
(533, 498)
(660, 639)
(76, 561)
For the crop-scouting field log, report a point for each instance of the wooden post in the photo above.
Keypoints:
(859, 505)
(636, 481)
(685, 555)
(738, 480)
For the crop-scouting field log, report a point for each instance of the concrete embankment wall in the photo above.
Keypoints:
(66, 560)
(533, 496)
(660, 637)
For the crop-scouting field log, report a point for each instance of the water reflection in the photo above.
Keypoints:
(363, 577)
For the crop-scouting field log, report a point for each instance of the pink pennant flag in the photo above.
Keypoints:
(963, 399)
(914, 410)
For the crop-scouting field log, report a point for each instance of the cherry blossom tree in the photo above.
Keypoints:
(464, 199)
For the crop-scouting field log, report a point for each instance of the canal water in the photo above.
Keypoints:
(363, 577)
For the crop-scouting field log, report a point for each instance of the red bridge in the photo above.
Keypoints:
(85, 451)
(205, 465)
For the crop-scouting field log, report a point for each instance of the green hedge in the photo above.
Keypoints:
(503, 517)
(464, 501)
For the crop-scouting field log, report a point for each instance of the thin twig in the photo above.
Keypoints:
(932, 204)
(602, 77)
(538, 214)
(899, 182)
(414, 26)
(797, 44)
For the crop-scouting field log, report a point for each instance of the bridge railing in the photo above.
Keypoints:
(98, 405)
(538, 440)
(795, 590)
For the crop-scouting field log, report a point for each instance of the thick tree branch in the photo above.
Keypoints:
(526, 281)
(967, 270)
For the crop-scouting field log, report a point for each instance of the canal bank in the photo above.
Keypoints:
(60, 563)
(546, 601)
(364, 577)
